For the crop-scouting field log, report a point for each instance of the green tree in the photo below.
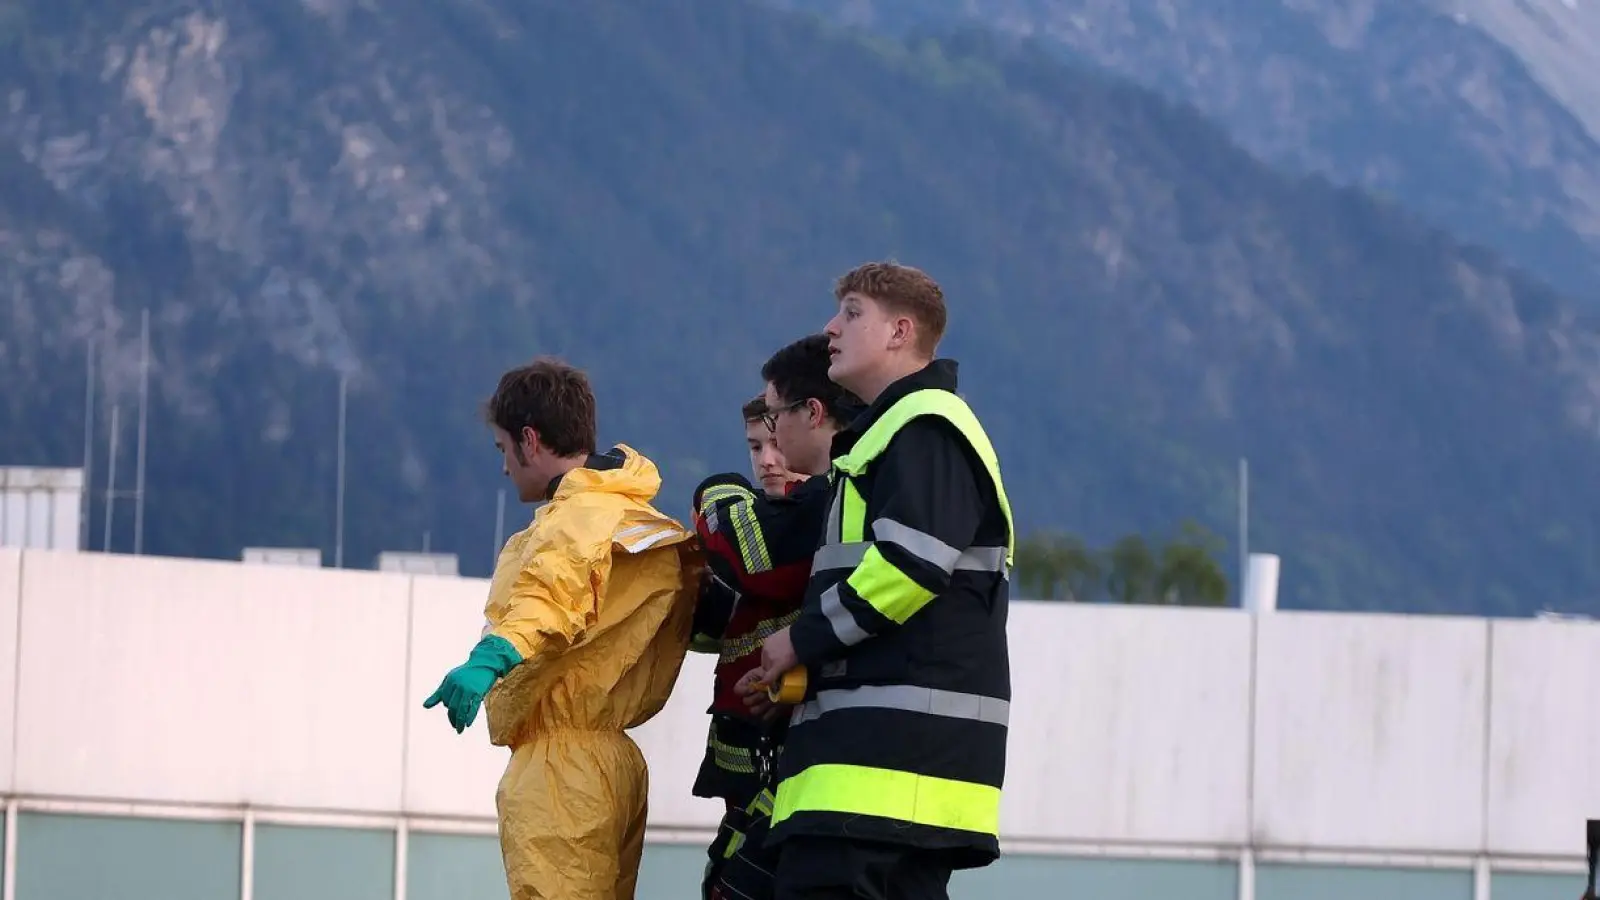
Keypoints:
(1182, 571)
(1135, 575)
(1055, 566)
(1189, 574)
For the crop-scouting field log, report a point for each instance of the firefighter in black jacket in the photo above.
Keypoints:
(892, 767)
(760, 547)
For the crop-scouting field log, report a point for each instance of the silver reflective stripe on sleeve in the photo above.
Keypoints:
(839, 556)
(983, 559)
(844, 625)
(848, 556)
(950, 704)
(920, 544)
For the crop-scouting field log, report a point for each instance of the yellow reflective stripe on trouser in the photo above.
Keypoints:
(902, 796)
(760, 806)
(889, 590)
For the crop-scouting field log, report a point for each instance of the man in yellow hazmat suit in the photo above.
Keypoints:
(588, 621)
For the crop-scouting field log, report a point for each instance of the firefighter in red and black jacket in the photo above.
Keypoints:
(730, 622)
(759, 549)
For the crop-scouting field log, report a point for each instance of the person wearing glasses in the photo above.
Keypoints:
(893, 762)
(759, 547)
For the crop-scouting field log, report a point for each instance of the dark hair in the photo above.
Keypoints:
(754, 409)
(552, 398)
(800, 372)
(901, 290)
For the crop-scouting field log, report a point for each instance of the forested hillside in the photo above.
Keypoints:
(419, 195)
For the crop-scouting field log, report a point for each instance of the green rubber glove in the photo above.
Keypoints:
(463, 688)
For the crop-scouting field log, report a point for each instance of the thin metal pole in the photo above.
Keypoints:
(1244, 525)
(338, 515)
(499, 527)
(88, 448)
(144, 420)
(111, 477)
(427, 540)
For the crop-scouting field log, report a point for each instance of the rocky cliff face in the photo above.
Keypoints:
(292, 205)
(1471, 113)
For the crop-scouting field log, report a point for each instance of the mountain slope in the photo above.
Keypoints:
(1406, 100)
(419, 195)
(1558, 40)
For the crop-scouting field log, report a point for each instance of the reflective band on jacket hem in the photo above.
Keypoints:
(902, 796)
(731, 758)
(933, 702)
(848, 556)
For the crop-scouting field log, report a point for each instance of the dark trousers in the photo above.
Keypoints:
(826, 868)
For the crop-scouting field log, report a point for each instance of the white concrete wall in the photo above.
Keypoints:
(178, 681)
(10, 597)
(1370, 731)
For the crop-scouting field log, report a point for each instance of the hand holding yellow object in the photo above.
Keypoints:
(791, 687)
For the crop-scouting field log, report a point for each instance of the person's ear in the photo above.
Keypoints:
(903, 331)
(528, 440)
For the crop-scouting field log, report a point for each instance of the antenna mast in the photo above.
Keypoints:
(338, 513)
(86, 504)
(111, 477)
(1244, 525)
(144, 402)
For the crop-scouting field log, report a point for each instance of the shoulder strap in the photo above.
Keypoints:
(951, 408)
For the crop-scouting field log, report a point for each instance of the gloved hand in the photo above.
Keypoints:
(464, 687)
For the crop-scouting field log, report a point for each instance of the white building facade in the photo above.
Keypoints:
(176, 729)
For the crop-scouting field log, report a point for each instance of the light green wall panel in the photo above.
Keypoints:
(294, 863)
(454, 867)
(1535, 886)
(1017, 875)
(671, 872)
(110, 858)
(77, 857)
(459, 867)
(1303, 882)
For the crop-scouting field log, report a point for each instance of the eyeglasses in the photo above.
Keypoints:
(770, 419)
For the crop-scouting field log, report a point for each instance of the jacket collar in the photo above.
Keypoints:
(611, 459)
(939, 375)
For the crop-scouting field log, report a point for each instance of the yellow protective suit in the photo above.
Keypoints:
(597, 595)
